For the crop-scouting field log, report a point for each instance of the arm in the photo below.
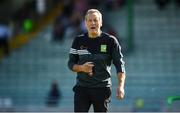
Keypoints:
(86, 67)
(74, 66)
(119, 64)
(74, 59)
(121, 82)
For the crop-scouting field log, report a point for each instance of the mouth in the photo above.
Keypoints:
(93, 28)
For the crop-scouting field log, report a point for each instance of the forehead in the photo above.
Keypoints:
(93, 15)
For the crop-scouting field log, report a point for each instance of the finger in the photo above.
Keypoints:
(90, 74)
(90, 63)
(119, 95)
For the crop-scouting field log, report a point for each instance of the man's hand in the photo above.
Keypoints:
(120, 93)
(120, 89)
(87, 68)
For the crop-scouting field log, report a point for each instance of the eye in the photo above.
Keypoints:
(90, 20)
(95, 20)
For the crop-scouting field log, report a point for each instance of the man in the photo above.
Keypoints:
(90, 56)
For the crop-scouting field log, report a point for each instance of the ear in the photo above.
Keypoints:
(101, 24)
(85, 24)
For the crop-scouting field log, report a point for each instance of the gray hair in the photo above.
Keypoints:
(90, 11)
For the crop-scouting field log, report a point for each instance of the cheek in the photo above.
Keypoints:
(86, 25)
(100, 24)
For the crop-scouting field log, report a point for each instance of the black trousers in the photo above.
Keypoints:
(98, 97)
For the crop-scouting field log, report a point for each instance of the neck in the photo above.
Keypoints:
(94, 35)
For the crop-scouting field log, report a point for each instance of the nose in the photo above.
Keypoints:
(93, 22)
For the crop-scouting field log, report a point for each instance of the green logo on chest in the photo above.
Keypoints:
(103, 48)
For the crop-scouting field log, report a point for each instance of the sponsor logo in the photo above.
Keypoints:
(103, 48)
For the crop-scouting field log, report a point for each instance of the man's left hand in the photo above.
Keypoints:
(120, 93)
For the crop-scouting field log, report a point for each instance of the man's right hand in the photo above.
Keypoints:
(87, 68)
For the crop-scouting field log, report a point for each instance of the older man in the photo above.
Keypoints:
(90, 56)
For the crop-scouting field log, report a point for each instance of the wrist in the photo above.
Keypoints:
(121, 86)
(80, 68)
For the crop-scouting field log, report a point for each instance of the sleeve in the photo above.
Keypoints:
(73, 54)
(117, 56)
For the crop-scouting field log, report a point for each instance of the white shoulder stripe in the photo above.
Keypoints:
(79, 52)
(83, 52)
(73, 51)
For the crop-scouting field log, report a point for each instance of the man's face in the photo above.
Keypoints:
(93, 23)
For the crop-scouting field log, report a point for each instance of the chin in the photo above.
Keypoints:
(94, 32)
